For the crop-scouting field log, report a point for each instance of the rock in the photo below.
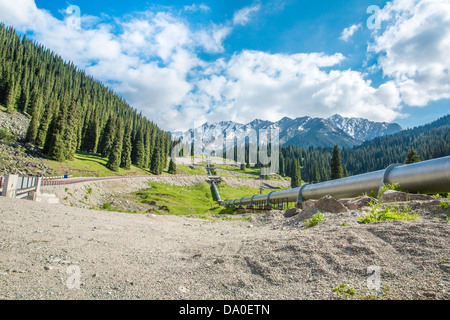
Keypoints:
(330, 204)
(429, 293)
(445, 267)
(309, 204)
(358, 203)
(292, 212)
(397, 196)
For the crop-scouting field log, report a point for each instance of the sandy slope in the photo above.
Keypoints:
(123, 256)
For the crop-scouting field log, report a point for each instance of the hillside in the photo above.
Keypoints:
(70, 111)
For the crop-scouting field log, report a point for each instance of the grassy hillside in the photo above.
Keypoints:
(91, 165)
(193, 200)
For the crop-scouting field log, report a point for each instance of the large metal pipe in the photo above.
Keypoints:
(427, 177)
(216, 191)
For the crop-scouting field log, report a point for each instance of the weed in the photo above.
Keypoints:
(444, 204)
(343, 289)
(387, 213)
(315, 220)
(107, 206)
(390, 186)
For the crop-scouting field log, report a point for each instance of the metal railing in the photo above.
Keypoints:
(14, 186)
(428, 177)
(59, 182)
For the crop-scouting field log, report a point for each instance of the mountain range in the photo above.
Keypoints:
(301, 132)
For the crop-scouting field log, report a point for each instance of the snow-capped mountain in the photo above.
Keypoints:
(363, 129)
(302, 132)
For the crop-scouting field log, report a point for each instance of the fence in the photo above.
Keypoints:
(14, 186)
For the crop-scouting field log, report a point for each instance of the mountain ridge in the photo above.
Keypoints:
(302, 131)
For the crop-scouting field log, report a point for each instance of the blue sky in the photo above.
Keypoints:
(183, 63)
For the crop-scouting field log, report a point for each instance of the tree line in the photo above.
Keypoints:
(70, 111)
(315, 165)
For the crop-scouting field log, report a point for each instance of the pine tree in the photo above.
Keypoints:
(345, 174)
(315, 176)
(91, 138)
(172, 167)
(296, 179)
(336, 166)
(115, 156)
(11, 96)
(147, 155)
(155, 166)
(140, 149)
(71, 133)
(107, 139)
(412, 157)
(127, 149)
(55, 145)
(282, 165)
(45, 123)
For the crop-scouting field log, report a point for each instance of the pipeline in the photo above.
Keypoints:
(428, 177)
(216, 191)
(213, 183)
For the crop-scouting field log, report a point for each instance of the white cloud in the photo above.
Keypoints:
(350, 31)
(152, 59)
(276, 85)
(414, 49)
(197, 7)
(242, 17)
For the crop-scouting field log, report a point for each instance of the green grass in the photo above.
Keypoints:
(91, 165)
(388, 214)
(192, 200)
(189, 171)
(231, 193)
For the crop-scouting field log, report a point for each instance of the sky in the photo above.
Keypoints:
(184, 63)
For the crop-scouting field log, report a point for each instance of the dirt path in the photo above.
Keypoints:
(43, 249)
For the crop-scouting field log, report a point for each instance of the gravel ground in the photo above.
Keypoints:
(45, 249)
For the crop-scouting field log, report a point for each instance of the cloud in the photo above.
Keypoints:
(349, 32)
(242, 17)
(276, 85)
(197, 7)
(152, 58)
(413, 49)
